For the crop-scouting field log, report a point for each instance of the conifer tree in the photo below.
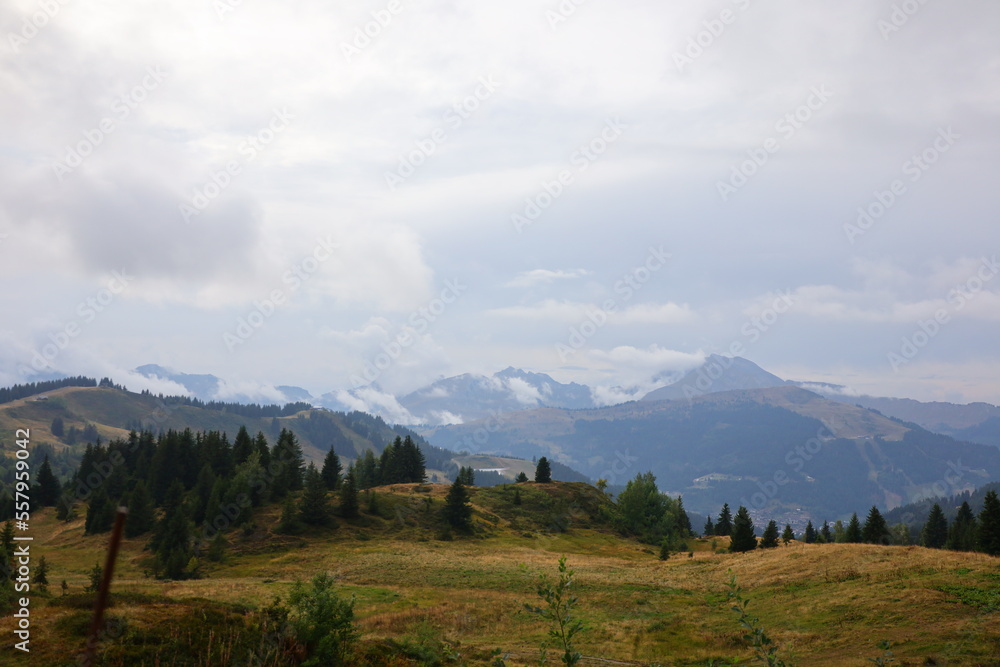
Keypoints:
(852, 534)
(521, 478)
(876, 531)
(517, 496)
(331, 470)
(349, 495)
(743, 538)
(724, 524)
(243, 446)
(313, 507)
(809, 536)
(289, 524)
(770, 538)
(962, 532)
(173, 547)
(100, 513)
(141, 513)
(457, 510)
(260, 442)
(989, 525)
(788, 535)
(41, 576)
(709, 528)
(935, 532)
(825, 533)
(683, 520)
(47, 493)
(366, 471)
(543, 471)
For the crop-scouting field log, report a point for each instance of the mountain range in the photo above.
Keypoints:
(471, 397)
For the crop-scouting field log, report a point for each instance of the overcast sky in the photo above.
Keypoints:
(461, 186)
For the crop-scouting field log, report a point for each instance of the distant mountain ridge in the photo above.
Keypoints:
(470, 397)
(784, 452)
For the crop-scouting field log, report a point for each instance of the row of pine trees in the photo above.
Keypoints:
(966, 533)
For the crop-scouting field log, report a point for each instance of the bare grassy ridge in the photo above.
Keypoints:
(824, 604)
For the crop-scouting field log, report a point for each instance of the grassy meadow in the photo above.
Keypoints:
(426, 597)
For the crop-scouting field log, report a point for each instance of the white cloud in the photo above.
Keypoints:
(524, 393)
(541, 276)
(571, 312)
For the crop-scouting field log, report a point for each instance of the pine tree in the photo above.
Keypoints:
(366, 471)
(788, 534)
(543, 471)
(49, 488)
(288, 451)
(41, 576)
(331, 470)
(709, 528)
(853, 533)
(174, 550)
(743, 538)
(935, 532)
(770, 537)
(724, 524)
(141, 513)
(414, 463)
(521, 478)
(457, 510)
(989, 525)
(809, 536)
(467, 475)
(962, 533)
(683, 520)
(289, 524)
(349, 495)
(825, 533)
(243, 446)
(201, 493)
(260, 442)
(100, 513)
(876, 531)
(313, 507)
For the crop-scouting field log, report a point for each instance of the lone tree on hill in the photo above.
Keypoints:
(876, 531)
(743, 538)
(724, 525)
(935, 531)
(457, 510)
(788, 535)
(770, 538)
(521, 477)
(543, 471)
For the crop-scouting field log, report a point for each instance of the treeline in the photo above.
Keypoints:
(184, 489)
(248, 410)
(967, 532)
(18, 391)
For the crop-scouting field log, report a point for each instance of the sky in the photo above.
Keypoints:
(310, 194)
